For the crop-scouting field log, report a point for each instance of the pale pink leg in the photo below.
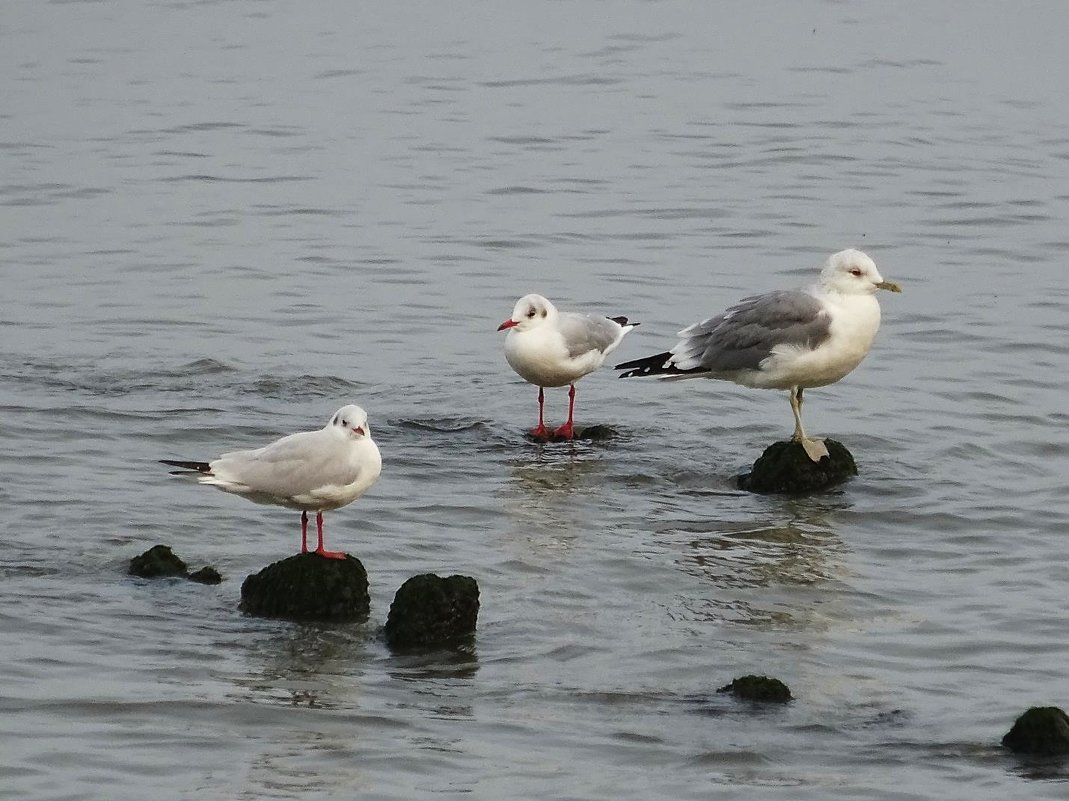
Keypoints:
(319, 548)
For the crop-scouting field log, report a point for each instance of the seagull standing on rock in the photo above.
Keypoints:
(313, 471)
(550, 348)
(792, 339)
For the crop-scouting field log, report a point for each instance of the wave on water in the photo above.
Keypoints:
(88, 377)
(302, 386)
(205, 377)
(444, 425)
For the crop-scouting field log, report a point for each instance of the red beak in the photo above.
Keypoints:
(359, 430)
(507, 324)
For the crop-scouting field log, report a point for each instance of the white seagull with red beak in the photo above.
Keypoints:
(550, 348)
(313, 471)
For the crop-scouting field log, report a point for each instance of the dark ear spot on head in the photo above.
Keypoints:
(334, 422)
(544, 312)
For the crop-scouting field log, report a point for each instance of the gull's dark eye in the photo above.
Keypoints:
(530, 312)
(855, 271)
(345, 423)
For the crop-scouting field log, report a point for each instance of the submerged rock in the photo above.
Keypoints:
(308, 587)
(758, 688)
(206, 575)
(160, 560)
(429, 610)
(595, 433)
(1041, 730)
(785, 467)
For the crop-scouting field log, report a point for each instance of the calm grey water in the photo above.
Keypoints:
(222, 220)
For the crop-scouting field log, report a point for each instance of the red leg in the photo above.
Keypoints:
(566, 431)
(540, 432)
(320, 549)
(304, 531)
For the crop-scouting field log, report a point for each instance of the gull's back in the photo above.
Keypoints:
(746, 334)
(588, 332)
(292, 466)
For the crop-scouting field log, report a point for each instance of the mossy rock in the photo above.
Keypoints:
(595, 433)
(785, 467)
(1041, 730)
(429, 610)
(308, 587)
(758, 688)
(160, 561)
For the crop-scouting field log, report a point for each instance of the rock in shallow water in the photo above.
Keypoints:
(758, 688)
(595, 433)
(308, 587)
(1041, 730)
(429, 610)
(785, 467)
(206, 575)
(159, 561)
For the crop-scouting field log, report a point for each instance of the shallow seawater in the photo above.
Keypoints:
(220, 222)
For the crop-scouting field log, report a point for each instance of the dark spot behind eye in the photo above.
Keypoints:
(335, 420)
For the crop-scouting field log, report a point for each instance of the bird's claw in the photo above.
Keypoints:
(565, 432)
(815, 449)
(330, 554)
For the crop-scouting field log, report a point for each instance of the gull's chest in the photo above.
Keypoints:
(352, 474)
(851, 333)
(855, 321)
(541, 357)
(853, 326)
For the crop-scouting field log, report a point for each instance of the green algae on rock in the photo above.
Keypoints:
(308, 587)
(429, 610)
(785, 467)
(758, 688)
(1041, 730)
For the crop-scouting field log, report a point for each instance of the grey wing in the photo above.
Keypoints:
(586, 332)
(744, 335)
(293, 465)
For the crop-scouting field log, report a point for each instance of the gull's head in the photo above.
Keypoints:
(851, 272)
(530, 311)
(351, 421)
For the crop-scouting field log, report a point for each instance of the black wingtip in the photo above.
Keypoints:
(623, 321)
(198, 467)
(661, 364)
